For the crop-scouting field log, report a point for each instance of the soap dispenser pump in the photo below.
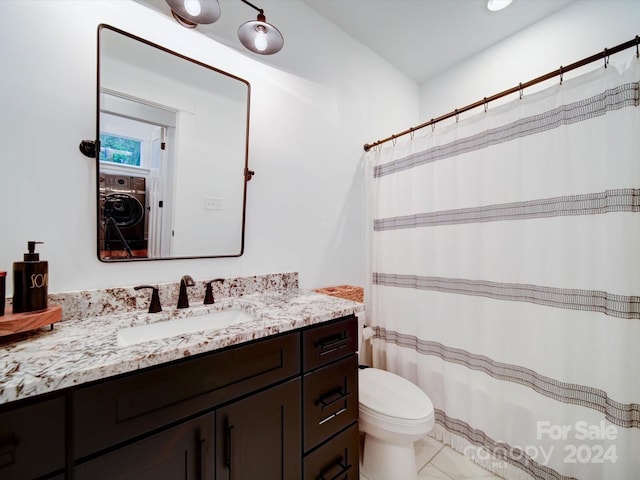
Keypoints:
(30, 282)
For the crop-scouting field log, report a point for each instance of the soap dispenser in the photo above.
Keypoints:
(30, 282)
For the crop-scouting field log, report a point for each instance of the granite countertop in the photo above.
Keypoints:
(81, 350)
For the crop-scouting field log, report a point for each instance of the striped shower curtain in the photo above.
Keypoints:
(505, 277)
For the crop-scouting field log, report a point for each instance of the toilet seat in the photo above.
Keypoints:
(393, 399)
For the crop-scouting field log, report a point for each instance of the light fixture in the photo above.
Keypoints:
(259, 36)
(495, 5)
(256, 35)
(191, 13)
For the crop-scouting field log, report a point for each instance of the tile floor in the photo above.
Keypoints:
(440, 462)
(443, 463)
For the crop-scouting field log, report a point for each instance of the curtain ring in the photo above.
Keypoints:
(411, 132)
(521, 90)
(433, 126)
(393, 140)
(457, 116)
(561, 74)
(637, 46)
(486, 105)
(606, 58)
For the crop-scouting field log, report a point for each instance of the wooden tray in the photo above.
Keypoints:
(348, 292)
(12, 323)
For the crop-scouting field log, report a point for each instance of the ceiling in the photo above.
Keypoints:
(447, 31)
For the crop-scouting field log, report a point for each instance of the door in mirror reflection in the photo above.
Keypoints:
(173, 137)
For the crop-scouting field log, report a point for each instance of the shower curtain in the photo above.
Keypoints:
(505, 277)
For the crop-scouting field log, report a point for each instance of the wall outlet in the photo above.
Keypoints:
(213, 203)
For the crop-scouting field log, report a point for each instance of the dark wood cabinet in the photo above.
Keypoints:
(259, 437)
(141, 402)
(283, 408)
(32, 439)
(336, 459)
(184, 452)
(327, 342)
(330, 401)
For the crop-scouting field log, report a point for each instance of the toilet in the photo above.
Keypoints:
(393, 414)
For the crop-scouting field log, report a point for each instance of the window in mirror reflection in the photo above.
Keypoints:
(117, 149)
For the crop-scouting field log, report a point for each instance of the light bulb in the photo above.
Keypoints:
(261, 38)
(495, 5)
(193, 7)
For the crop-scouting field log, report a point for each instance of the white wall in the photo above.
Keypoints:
(309, 120)
(575, 32)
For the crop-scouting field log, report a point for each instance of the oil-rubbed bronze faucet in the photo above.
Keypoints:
(183, 298)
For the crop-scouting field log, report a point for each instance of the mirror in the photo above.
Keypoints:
(172, 153)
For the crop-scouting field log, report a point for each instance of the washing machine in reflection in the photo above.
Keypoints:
(123, 216)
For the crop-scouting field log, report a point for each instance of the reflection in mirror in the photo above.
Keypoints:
(172, 158)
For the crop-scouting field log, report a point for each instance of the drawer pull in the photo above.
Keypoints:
(332, 416)
(333, 344)
(343, 471)
(325, 401)
(227, 453)
(202, 445)
(8, 446)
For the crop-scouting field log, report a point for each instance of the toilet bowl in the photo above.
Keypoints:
(394, 413)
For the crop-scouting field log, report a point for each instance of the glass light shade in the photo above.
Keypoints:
(495, 5)
(260, 37)
(195, 12)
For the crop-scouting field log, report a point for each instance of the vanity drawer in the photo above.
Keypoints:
(330, 400)
(32, 439)
(138, 403)
(337, 459)
(325, 343)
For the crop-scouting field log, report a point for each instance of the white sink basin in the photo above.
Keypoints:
(179, 326)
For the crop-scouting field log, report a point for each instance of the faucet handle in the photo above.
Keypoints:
(208, 296)
(154, 306)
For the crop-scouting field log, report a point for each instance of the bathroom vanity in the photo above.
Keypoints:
(273, 403)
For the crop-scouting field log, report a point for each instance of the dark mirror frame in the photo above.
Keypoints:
(248, 174)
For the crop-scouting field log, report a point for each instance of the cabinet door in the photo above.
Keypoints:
(182, 452)
(259, 437)
(32, 440)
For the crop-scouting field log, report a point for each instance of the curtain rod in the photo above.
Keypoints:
(519, 88)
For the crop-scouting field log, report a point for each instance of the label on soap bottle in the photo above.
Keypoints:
(38, 280)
